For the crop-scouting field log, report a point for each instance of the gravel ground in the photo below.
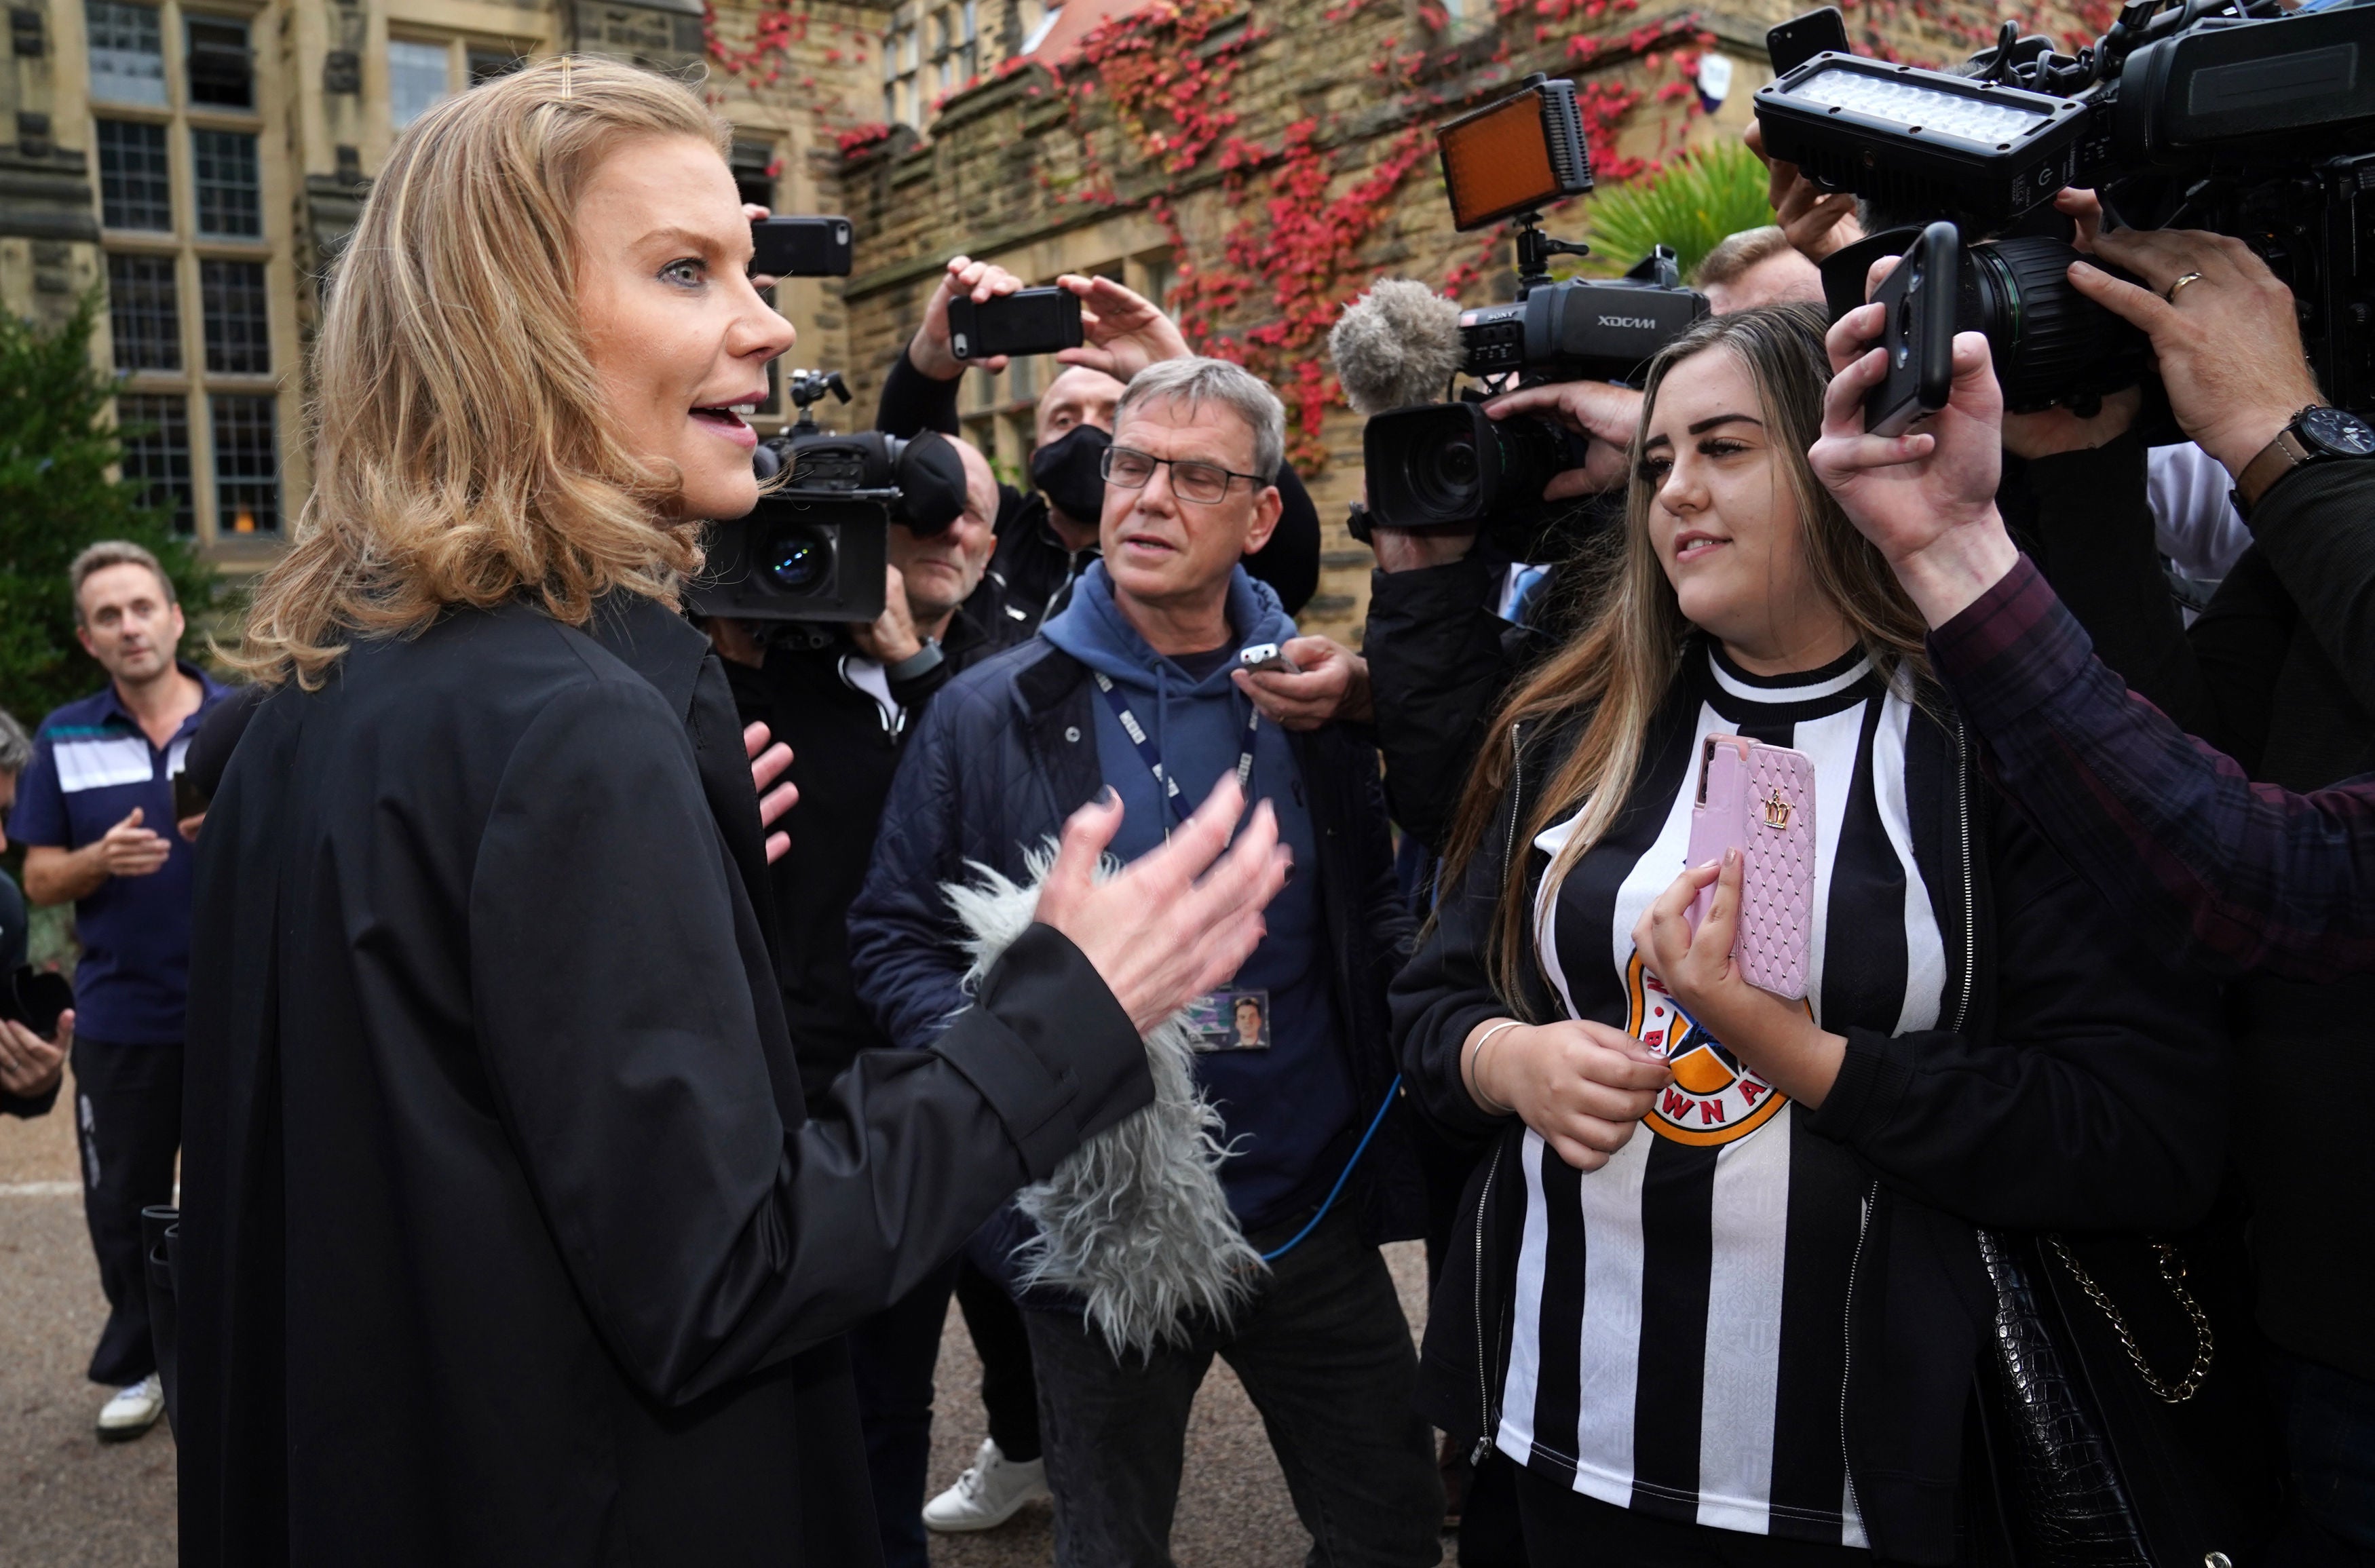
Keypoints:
(74, 1503)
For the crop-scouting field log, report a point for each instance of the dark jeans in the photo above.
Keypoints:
(1325, 1354)
(2328, 1419)
(1010, 1391)
(127, 1112)
(892, 1356)
(1567, 1529)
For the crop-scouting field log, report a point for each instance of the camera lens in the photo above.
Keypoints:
(797, 560)
(1445, 473)
(2051, 343)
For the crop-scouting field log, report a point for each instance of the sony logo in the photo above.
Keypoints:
(1644, 322)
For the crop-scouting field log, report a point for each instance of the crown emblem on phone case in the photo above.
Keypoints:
(1777, 811)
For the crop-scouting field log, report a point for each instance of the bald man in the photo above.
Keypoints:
(1046, 538)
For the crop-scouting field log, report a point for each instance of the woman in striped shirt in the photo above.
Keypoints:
(1720, 1297)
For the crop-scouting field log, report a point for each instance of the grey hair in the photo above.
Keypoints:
(16, 748)
(1193, 381)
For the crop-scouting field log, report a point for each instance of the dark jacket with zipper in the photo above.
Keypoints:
(1010, 750)
(844, 750)
(508, 1235)
(2076, 1085)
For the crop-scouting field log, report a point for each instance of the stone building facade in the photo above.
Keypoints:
(1255, 162)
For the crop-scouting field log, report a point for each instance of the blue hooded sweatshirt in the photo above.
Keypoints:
(1288, 1109)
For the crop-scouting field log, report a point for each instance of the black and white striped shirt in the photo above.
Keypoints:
(1680, 1317)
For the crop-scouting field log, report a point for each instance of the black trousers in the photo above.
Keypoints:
(1010, 1390)
(1567, 1529)
(127, 1112)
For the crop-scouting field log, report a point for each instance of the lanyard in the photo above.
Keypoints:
(1153, 759)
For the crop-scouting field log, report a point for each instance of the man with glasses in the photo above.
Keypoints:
(1128, 689)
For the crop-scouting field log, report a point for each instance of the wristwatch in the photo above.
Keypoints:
(2318, 434)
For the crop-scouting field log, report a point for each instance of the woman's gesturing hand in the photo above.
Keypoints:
(1584, 1087)
(1777, 1037)
(1177, 921)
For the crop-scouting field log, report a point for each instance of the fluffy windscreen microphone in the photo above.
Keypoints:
(1397, 345)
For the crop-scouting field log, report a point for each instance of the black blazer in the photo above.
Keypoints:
(507, 1236)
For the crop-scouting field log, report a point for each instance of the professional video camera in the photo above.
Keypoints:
(815, 548)
(1442, 464)
(2227, 115)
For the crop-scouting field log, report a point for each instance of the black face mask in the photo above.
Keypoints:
(1070, 473)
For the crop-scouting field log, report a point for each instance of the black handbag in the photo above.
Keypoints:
(2124, 1429)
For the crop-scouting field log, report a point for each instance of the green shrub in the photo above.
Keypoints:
(56, 449)
(1692, 203)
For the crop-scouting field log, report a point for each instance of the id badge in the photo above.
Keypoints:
(1235, 1019)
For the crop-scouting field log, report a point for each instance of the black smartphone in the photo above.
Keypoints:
(1920, 295)
(802, 247)
(1799, 40)
(1029, 321)
(188, 799)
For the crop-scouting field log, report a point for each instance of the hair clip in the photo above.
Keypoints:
(565, 85)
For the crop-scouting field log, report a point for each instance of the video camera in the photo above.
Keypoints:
(815, 548)
(2227, 115)
(1450, 464)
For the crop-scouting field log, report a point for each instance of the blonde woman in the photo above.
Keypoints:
(1720, 1296)
(507, 1236)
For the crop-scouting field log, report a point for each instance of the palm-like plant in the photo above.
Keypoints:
(1692, 203)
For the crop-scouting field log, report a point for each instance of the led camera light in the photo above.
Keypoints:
(1990, 122)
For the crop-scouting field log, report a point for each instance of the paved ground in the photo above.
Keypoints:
(72, 1502)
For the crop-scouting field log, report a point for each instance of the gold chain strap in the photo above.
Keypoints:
(2172, 1269)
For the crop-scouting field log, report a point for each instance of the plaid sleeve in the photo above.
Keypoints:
(2236, 876)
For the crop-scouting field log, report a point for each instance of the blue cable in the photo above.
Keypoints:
(1346, 1175)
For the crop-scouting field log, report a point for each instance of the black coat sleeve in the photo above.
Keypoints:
(2317, 529)
(1438, 666)
(912, 401)
(1446, 990)
(2095, 1099)
(707, 1228)
(1289, 561)
(2089, 524)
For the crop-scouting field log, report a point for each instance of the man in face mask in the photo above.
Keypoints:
(1046, 538)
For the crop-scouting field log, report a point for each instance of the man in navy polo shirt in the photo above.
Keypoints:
(95, 811)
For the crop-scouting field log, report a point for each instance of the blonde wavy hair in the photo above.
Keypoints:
(1613, 672)
(461, 455)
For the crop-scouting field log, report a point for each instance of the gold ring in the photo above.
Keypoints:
(2170, 294)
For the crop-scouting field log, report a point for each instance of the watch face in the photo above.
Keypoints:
(2337, 434)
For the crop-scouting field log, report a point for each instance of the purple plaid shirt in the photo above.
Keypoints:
(2237, 876)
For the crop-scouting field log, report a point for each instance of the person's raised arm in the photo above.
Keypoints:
(708, 1228)
(919, 393)
(2238, 876)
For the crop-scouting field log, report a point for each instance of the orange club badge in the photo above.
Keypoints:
(1715, 1097)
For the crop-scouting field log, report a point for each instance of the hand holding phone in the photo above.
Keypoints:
(1268, 656)
(1921, 296)
(1759, 799)
(1029, 321)
(1799, 40)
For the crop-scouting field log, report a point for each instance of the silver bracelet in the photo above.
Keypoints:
(1476, 1067)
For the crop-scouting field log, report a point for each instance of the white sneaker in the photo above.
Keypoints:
(988, 1494)
(133, 1411)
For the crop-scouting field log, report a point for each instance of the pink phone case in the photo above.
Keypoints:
(1759, 799)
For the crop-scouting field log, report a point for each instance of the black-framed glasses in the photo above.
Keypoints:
(1190, 481)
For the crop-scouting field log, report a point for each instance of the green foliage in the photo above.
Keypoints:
(1692, 203)
(55, 496)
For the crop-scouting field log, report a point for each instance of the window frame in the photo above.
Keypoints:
(200, 184)
(127, 309)
(192, 52)
(94, 53)
(444, 49)
(160, 179)
(218, 403)
(144, 454)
